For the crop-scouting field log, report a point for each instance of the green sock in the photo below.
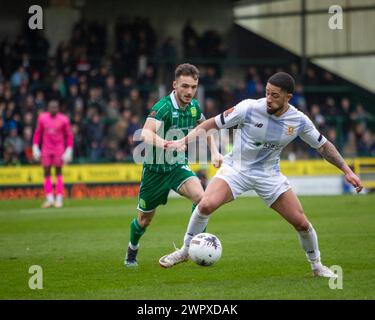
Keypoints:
(192, 210)
(136, 232)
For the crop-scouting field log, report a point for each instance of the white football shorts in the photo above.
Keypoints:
(268, 187)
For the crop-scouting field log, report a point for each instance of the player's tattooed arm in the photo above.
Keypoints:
(329, 152)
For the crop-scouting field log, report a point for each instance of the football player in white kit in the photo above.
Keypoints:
(266, 126)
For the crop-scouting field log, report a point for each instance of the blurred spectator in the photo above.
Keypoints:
(360, 116)
(40, 102)
(74, 99)
(330, 111)
(27, 155)
(327, 78)
(125, 87)
(298, 100)
(112, 110)
(96, 99)
(79, 145)
(251, 78)
(110, 89)
(9, 155)
(331, 135)
(147, 81)
(316, 117)
(190, 40)
(18, 77)
(366, 145)
(311, 77)
(346, 120)
(136, 103)
(210, 108)
(28, 120)
(240, 92)
(226, 98)
(15, 141)
(133, 126)
(94, 134)
(209, 80)
(168, 54)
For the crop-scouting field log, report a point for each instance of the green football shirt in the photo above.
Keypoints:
(173, 118)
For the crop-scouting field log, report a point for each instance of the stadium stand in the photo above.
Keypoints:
(107, 95)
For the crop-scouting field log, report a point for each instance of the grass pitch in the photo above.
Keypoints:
(82, 246)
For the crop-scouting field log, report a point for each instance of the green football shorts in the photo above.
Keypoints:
(155, 187)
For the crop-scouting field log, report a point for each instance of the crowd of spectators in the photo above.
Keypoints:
(108, 95)
(344, 122)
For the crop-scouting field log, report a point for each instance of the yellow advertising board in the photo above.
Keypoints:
(131, 173)
(101, 173)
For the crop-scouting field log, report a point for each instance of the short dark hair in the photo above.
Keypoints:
(186, 69)
(282, 80)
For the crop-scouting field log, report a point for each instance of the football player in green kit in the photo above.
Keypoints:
(178, 110)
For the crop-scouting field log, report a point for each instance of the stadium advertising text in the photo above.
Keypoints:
(122, 180)
(76, 191)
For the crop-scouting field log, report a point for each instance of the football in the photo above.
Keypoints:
(205, 249)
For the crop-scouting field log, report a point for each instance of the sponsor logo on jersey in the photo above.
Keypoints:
(290, 130)
(258, 125)
(142, 203)
(271, 146)
(175, 114)
(193, 111)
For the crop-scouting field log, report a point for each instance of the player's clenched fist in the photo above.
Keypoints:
(217, 159)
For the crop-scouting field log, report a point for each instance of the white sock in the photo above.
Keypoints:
(196, 225)
(59, 198)
(50, 197)
(133, 247)
(309, 243)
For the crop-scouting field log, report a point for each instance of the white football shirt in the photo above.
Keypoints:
(261, 137)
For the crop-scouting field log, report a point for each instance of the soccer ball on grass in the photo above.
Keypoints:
(205, 249)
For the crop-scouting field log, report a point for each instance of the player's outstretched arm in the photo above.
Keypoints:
(193, 134)
(149, 134)
(329, 152)
(216, 156)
